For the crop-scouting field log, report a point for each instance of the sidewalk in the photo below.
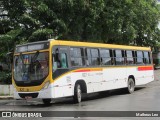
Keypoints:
(6, 97)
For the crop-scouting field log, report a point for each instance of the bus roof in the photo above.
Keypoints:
(99, 45)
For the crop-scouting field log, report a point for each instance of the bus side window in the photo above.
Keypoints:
(119, 59)
(77, 56)
(95, 58)
(59, 61)
(105, 57)
(147, 57)
(140, 57)
(130, 57)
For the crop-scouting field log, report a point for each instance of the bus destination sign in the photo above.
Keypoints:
(32, 47)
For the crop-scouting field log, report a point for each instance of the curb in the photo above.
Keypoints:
(6, 97)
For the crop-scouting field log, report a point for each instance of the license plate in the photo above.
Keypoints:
(28, 97)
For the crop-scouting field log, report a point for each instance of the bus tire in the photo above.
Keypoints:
(46, 101)
(131, 85)
(77, 93)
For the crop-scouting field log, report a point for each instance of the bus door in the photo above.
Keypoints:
(60, 67)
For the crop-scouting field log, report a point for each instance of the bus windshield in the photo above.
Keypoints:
(31, 67)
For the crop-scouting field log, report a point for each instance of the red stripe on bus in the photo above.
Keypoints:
(145, 68)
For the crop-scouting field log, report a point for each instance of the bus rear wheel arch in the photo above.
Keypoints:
(79, 88)
(131, 85)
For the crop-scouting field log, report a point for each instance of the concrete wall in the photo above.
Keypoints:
(6, 90)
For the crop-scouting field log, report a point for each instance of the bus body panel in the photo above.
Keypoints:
(109, 79)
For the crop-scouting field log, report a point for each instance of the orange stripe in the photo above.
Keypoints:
(82, 71)
(88, 70)
(144, 68)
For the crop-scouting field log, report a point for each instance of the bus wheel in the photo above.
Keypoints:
(131, 85)
(77, 93)
(46, 101)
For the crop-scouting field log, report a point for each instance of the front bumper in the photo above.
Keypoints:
(46, 93)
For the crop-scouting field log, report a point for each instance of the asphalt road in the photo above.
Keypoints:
(145, 98)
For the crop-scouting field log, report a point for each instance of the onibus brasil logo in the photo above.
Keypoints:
(21, 114)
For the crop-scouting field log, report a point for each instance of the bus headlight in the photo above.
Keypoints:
(45, 85)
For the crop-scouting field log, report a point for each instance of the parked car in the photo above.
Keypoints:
(3, 66)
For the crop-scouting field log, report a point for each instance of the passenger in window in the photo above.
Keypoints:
(56, 62)
(63, 61)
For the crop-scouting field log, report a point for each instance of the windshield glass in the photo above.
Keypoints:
(31, 67)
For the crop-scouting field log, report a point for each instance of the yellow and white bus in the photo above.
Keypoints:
(55, 68)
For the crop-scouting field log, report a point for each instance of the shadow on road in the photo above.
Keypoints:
(88, 97)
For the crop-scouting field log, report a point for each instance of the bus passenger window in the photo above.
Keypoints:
(119, 58)
(77, 57)
(140, 57)
(60, 61)
(105, 57)
(147, 58)
(130, 60)
(95, 60)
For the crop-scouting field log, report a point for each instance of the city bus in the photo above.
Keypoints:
(57, 68)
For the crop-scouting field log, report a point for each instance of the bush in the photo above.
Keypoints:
(5, 77)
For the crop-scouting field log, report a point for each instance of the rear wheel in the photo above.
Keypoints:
(77, 93)
(131, 85)
(46, 101)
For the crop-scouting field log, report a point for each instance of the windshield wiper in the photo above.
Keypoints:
(35, 57)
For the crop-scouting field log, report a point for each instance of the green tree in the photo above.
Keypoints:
(108, 21)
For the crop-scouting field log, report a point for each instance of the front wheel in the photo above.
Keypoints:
(131, 85)
(77, 94)
(46, 101)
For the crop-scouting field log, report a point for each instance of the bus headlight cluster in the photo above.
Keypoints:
(46, 85)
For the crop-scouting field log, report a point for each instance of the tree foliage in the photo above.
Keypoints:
(108, 21)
